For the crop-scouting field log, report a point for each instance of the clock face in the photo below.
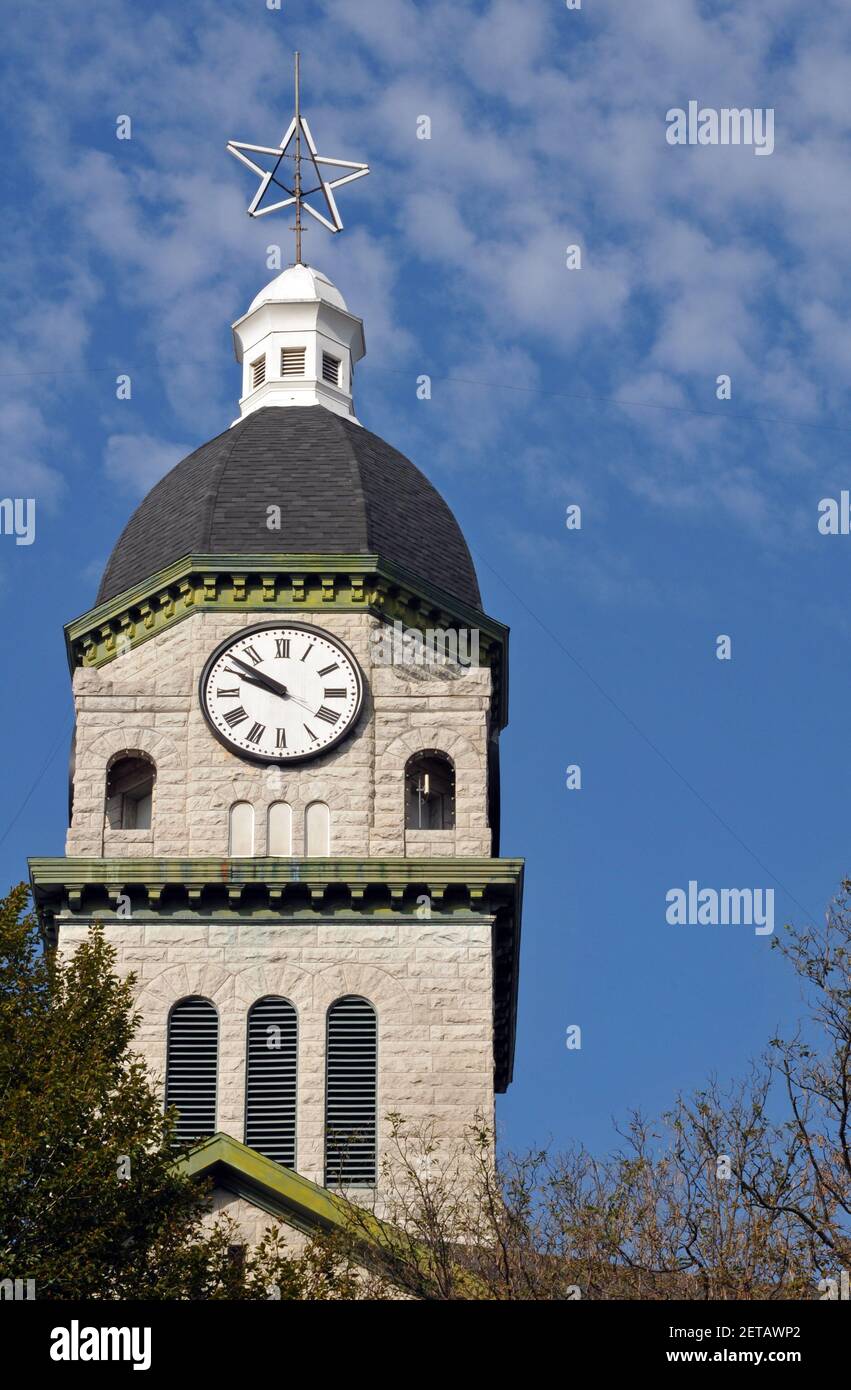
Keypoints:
(281, 692)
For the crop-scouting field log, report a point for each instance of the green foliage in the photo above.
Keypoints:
(91, 1205)
(736, 1192)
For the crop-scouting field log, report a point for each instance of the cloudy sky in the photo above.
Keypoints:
(551, 386)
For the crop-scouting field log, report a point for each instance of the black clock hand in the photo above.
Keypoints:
(252, 680)
(258, 677)
(255, 677)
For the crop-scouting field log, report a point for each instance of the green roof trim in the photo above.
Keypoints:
(281, 583)
(280, 1191)
(479, 875)
(291, 1199)
(296, 1201)
(298, 891)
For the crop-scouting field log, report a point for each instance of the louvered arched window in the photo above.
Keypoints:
(192, 1067)
(350, 1093)
(270, 1082)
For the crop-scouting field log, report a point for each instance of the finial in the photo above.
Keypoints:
(297, 130)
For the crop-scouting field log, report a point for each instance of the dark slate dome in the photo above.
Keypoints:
(341, 490)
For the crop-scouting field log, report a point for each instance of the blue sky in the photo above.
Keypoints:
(550, 387)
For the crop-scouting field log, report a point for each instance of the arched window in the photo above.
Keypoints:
(241, 829)
(279, 829)
(350, 1093)
(192, 1066)
(270, 1081)
(317, 829)
(130, 782)
(429, 791)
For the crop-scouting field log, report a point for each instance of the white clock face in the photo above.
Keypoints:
(281, 693)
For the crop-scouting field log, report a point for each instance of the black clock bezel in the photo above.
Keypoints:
(269, 760)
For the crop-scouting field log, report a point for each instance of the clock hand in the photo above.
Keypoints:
(258, 677)
(255, 680)
(244, 675)
(298, 700)
(250, 673)
(252, 680)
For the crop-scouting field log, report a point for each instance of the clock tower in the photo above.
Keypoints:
(284, 792)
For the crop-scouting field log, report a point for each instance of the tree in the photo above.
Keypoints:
(91, 1202)
(815, 1073)
(741, 1191)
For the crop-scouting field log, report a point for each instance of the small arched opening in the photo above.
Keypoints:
(429, 791)
(130, 781)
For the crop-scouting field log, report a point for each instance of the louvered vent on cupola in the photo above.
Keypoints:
(270, 1083)
(258, 372)
(192, 1067)
(350, 1094)
(330, 369)
(293, 361)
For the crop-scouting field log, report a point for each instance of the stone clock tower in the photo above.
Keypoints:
(285, 791)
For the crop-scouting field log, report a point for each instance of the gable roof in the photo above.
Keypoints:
(281, 1192)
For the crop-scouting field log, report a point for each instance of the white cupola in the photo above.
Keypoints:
(298, 344)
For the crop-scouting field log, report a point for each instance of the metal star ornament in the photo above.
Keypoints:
(277, 179)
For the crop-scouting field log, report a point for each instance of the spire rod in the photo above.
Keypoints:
(276, 178)
(297, 228)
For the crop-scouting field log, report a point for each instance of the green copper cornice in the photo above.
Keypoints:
(279, 1191)
(288, 1197)
(297, 891)
(280, 583)
(222, 887)
(283, 1193)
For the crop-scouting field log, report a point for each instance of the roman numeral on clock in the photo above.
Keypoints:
(235, 712)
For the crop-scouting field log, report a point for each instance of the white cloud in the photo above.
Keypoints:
(548, 127)
(137, 461)
(26, 442)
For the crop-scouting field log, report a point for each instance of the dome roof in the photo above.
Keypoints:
(298, 282)
(341, 490)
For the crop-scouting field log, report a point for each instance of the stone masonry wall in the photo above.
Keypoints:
(430, 982)
(147, 701)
